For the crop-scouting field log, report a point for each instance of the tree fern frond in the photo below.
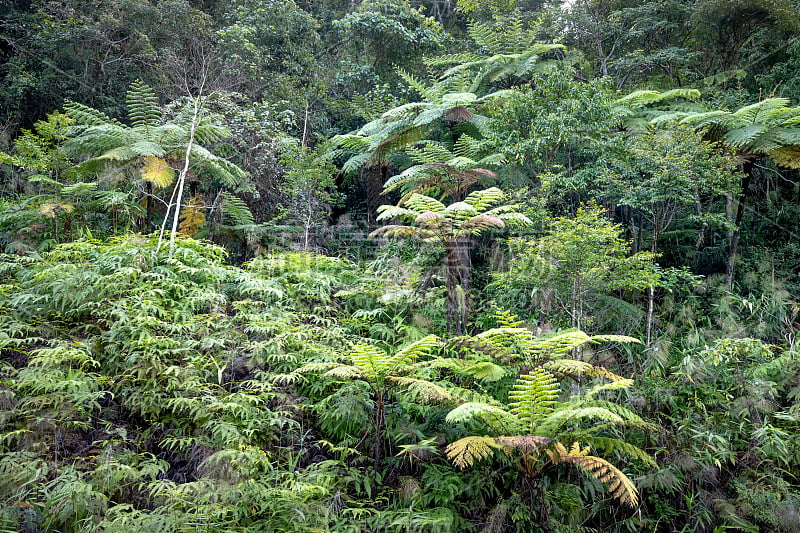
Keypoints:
(429, 94)
(613, 385)
(426, 391)
(148, 148)
(483, 200)
(344, 371)
(572, 367)
(515, 220)
(143, 108)
(236, 211)
(477, 224)
(416, 349)
(524, 444)
(467, 451)
(84, 115)
(559, 344)
(618, 483)
(533, 397)
(370, 360)
(317, 367)
(486, 371)
(493, 416)
(389, 212)
(618, 410)
(451, 59)
(622, 339)
(554, 421)
(157, 171)
(421, 203)
(399, 231)
(610, 445)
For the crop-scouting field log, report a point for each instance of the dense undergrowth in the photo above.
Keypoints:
(149, 393)
(399, 266)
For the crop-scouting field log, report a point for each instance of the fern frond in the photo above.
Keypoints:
(236, 211)
(552, 424)
(485, 371)
(370, 360)
(388, 212)
(143, 108)
(496, 418)
(344, 371)
(425, 390)
(317, 367)
(421, 203)
(622, 339)
(157, 171)
(618, 483)
(416, 349)
(614, 385)
(533, 397)
(572, 367)
(611, 445)
(399, 231)
(84, 115)
(483, 200)
(467, 451)
(478, 224)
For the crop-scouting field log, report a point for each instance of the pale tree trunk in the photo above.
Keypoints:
(651, 300)
(182, 176)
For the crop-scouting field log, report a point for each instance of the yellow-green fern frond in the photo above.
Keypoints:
(370, 360)
(344, 371)
(426, 391)
(388, 212)
(572, 367)
(533, 397)
(497, 418)
(316, 367)
(400, 231)
(786, 156)
(469, 450)
(421, 203)
(610, 445)
(416, 349)
(623, 383)
(192, 217)
(483, 200)
(618, 483)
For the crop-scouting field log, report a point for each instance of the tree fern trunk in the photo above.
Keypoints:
(747, 168)
(380, 423)
(457, 280)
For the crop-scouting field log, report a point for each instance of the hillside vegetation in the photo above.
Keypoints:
(399, 266)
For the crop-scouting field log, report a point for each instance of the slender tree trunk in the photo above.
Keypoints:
(182, 177)
(748, 170)
(380, 423)
(651, 300)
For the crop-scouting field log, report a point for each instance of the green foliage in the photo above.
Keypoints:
(567, 275)
(537, 428)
